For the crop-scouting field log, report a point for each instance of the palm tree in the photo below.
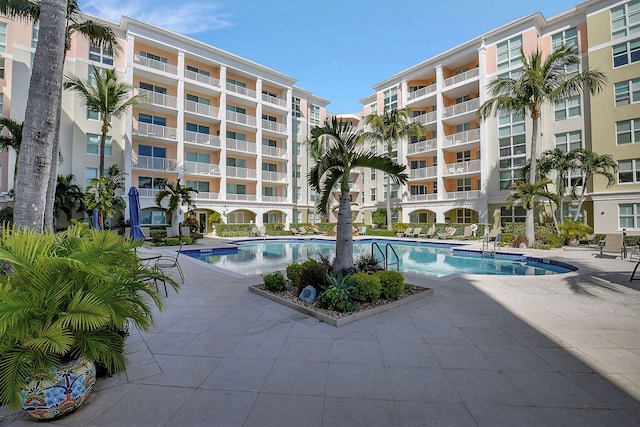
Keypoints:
(343, 151)
(13, 139)
(101, 194)
(592, 164)
(177, 195)
(106, 95)
(525, 194)
(68, 196)
(543, 80)
(389, 127)
(562, 163)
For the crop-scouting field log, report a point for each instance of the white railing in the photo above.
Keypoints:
(274, 126)
(458, 78)
(423, 197)
(201, 168)
(201, 78)
(423, 119)
(354, 187)
(244, 146)
(267, 150)
(231, 87)
(274, 176)
(273, 100)
(234, 172)
(461, 168)
(462, 195)
(462, 137)
(421, 92)
(201, 138)
(154, 163)
(155, 65)
(200, 108)
(274, 199)
(242, 197)
(241, 118)
(148, 192)
(463, 107)
(204, 195)
(157, 98)
(423, 173)
(422, 146)
(156, 131)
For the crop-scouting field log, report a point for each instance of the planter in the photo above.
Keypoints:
(60, 390)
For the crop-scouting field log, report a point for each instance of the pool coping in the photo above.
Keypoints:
(341, 321)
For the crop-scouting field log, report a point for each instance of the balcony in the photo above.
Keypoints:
(275, 101)
(201, 138)
(462, 168)
(463, 107)
(422, 146)
(155, 65)
(459, 78)
(202, 109)
(205, 195)
(232, 116)
(462, 195)
(423, 119)
(160, 99)
(231, 87)
(423, 197)
(245, 173)
(148, 192)
(241, 146)
(273, 151)
(421, 92)
(423, 173)
(200, 168)
(274, 176)
(274, 126)
(466, 137)
(274, 199)
(155, 131)
(242, 197)
(154, 163)
(201, 78)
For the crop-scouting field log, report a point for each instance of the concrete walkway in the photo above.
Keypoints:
(561, 350)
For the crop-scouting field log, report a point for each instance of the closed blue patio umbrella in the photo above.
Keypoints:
(95, 223)
(135, 213)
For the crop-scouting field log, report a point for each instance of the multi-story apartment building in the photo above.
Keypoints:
(236, 130)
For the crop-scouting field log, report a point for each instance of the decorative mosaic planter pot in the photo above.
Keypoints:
(60, 390)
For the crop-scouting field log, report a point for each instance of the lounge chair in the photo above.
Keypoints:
(430, 232)
(253, 232)
(408, 232)
(316, 230)
(262, 231)
(363, 230)
(612, 243)
(449, 233)
(294, 231)
(303, 230)
(468, 233)
(493, 234)
(416, 232)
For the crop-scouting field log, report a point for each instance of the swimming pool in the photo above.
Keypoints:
(429, 259)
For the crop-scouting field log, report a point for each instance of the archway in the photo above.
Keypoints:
(241, 216)
(422, 216)
(461, 216)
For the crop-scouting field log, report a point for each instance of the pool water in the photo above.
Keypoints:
(429, 259)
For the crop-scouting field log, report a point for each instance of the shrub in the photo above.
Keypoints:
(518, 240)
(172, 241)
(274, 282)
(553, 240)
(186, 240)
(293, 273)
(335, 299)
(575, 230)
(312, 273)
(366, 287)
(392, 284)
(368, 262)
(399, 227)
(341, 281)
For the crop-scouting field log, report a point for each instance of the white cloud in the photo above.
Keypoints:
(187, 17)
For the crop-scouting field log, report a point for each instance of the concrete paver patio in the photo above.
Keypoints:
(561, 350)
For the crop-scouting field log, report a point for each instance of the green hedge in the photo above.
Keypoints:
(233, 230)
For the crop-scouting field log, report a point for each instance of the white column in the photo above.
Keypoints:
(259, 142)
(440, 131)
(180, 96)
(222, 194)
(127, 120)
(484, 140)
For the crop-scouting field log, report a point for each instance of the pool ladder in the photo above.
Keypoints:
(486, 244)
(385, 255)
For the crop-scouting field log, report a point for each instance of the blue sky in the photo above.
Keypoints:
(336, 49)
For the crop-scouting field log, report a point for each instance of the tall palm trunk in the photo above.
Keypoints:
(529, 228)
(389, 225)
(39, 133)
(344, 235)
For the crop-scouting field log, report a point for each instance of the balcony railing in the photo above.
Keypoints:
(463, 107)
(201, 78)
(155, 65)
(354, 187)
(273, 100)
(155, 131)
(201, 168)
(200, 108)
(274, 199)
(462, 195)
(458, 78)
(231, 87)
(462, 168)
(154, 163)
(157, 98)
(274, 176)
(241, 118)
(462, 137)
(243, 146)
(423, 119)
(274, 126)
(234, 172)
(242, 197)
(423, 197)
(273, 151)
(148, 192)
(423, 173)
(201, 138)
(421, 92)
(205, 195)
(422, 146)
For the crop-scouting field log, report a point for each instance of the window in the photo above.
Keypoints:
(3, 37)
(194, 156)
(153, 57)
(626, 53)
(101, 53)
(153, 88)
(153, 217)
(297, 193)
(236, 82)
(269, 191)
(269, 93)
(628, 132)
(298, 217)
(194, 127)
(298, 148)
(373, 194)
(269, 167)
(461, 99)
(93, 144)
(569, 107)
(236, 189)
(373, 174)
(236, 163)
(629, 215)
(512, 149)
(156, 120)
(463, 184)
(148, 182)
(569, 141)
(515, 214)
(565, 38)
(464, 216)
(629, 171)
(418, 164)
(269, 118)
(295, 107)
(509, 53)
(236, 135)
(625, 19)
(297, 126)
(297, 171)
(627, 92)
(1, 68)
(235, 109)
(390, 98)
(463, 156)
(93, 115)
(418, 189)
(269, 142)
(416, 88)
(463, 127)
(314, 115)
(35, 34)
(1, 104)
(197, 70)
(89, 174)
(312, 195)
(201, 186)
(152, 151)
(270, 217)
(198, 99)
